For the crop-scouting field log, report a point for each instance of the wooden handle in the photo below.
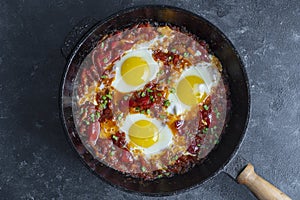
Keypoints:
(261, 188)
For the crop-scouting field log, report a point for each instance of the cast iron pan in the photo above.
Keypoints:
(222, 158)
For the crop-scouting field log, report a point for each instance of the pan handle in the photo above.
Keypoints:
(77, 33)
(261, 188)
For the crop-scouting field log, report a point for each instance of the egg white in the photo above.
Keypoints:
(120, 85)
(207, 72)
(165, 138)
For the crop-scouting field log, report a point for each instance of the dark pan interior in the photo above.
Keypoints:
(238, 84)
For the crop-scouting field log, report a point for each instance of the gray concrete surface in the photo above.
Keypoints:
(36, 161)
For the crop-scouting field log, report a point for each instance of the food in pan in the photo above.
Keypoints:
(150, 101)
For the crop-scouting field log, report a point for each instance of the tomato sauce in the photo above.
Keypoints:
(99, 108)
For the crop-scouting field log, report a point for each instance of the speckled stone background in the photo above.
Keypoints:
(36, 161)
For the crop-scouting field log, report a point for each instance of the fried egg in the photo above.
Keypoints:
(193, 86)
(146, 135)
(134, 70)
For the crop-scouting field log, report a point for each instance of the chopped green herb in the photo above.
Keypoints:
(162, 116)
(215, 127)
(81, 111)
(149, 90)
(105, 60)
(175, 158)
(206, 107)
(143, 112)
(109, 96)
(148, 111)
(104, 76)
(86, 88)
(160, 176)
(143, 169)
(217, 112)
(103, 97)
(87, 122)
(120, 116)
(161, 72)
(115, 137)
(167, 173)
(92, 116)
(185, 54)
(97, 114)
(137, 108)
(205, 130)
(169, 80)
(159, 94)
(173, 50)
(126, 97)
(102, 45)
(216, 141)
(143, 94)
(151, 98)
(103, 105)
(112, 153)
(172, 90)
(167, 103)
(199, 145)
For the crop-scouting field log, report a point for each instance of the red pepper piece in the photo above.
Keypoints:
(119, 139)
(176, 59)
(143, 101)
(193, 149)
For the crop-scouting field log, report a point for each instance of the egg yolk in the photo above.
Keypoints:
(188, 92)
(143, 133)
(135, 71)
